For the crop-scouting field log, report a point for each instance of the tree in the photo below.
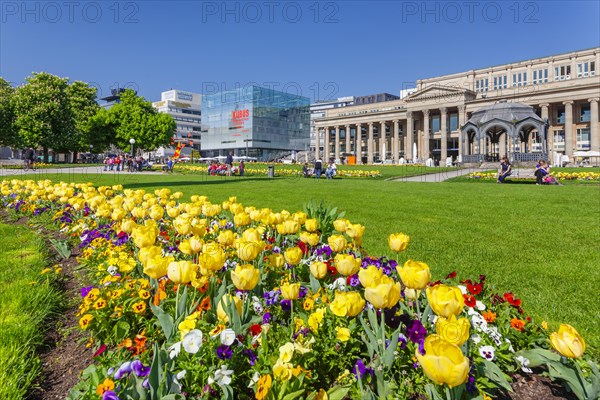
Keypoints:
(43, 112)
(8, 131)
(82, 101)
(135, 118)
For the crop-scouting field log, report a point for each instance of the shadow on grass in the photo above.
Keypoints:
(191, 182)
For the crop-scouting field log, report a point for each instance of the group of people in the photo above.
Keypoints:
(216, 168)
(122, 161)
(541, 172)
(317, 170)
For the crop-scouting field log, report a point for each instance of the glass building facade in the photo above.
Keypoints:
(256, 122)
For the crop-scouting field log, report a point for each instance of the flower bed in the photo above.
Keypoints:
(280, 170)
(203, 300)
(559, 176)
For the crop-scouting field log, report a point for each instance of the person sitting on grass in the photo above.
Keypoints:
(305, 171)
(504, 170)
(541, 170)
(168, 167)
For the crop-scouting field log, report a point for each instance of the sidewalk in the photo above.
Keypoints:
(442, 176)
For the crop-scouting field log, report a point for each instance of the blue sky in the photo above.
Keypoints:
(319, 49)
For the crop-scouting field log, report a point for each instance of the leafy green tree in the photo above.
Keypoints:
(44, 117)
(135, 118)
(8, 132)
(82, 100)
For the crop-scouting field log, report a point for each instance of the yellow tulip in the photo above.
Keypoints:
(199, 227)
(414, 274)
(288, 227)
(443, 362)
(277, 260)
(311, 225)
(248, 251)
(224, 303)
(398, 242)
(346, 264)
(347, 304)
(173, 212)
(156, 212)
(355, 231)
(290, 291)
(149, 252)
(157, 267)
(181, 271)
(370, 276)
(340, 225)
(252, 235)
(226, 238)
(144, 236)
(118, 214)
(318, 269)
(293, 255)
(182, 225)
(384, 295)
(568, 342)
(213, 257)
(190, 246)
(453, 330)
(128, 225)
(245, 277)
(241, 219)
(337, 243)
(445, 300)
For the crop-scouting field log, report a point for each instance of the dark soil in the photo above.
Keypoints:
(536, 387)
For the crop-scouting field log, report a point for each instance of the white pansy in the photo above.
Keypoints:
(254, 380)
(192, 341)
(463, 289)
(221, 377)
(227, 337)
(257, 305)
(177, 377)
(174, 350)
(112, 270)
(338, 284)
(524, 363)
(480, 306)
(475, 338)
(487, 352)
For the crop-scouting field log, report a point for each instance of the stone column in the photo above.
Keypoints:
(317, 144)
(594, 128)
(408, 143)
(463, 149)
(337, 143)
(443, 128)
(326, 146)
(426, 136)
(358, 142)
(370, 143)
(348, 149)
(568, 127)
(382, 140)
(395, 149)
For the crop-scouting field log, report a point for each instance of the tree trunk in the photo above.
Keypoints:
(74, 161)
(45, 150)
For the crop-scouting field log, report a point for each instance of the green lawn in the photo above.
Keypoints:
(26, 301)
(542, 243)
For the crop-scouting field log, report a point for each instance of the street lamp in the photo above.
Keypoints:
(91, 153)
(132, 141)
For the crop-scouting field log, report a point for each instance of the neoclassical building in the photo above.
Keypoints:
(549, 104)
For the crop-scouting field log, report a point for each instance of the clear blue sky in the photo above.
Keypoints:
(321, 49)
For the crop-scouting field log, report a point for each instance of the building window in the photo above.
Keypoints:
(585, 115)
(562, 73)
(453, 122)
(540, 76)
(435, 123)
(560, 115)
(481, 85)
(583, 139)
(559, 140)
(500, 82)
(519, 79)
(586, 69)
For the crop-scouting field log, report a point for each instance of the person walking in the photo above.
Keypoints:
(242, 167)
(318, 168)
(229, 163)
(29, 158)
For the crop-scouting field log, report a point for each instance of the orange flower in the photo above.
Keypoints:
(204, 304)
(127, 343)
(105, 387)
(518, 324)
(489, 316)
(140, 344)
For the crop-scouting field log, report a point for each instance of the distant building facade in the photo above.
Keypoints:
(255, 122)
(375, 98)
(318, 110)
(562, 89)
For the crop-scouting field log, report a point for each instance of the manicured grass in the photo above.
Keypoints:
(26, 302)
(539, 242)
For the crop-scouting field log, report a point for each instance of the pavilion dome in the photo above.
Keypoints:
(504, 111)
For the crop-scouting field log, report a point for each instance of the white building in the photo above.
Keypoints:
(317, 110)
(186, 109)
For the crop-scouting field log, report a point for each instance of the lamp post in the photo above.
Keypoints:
(91, 154)
(132, 141)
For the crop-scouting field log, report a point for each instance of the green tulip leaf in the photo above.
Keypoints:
(493, 373)
(165, 320)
